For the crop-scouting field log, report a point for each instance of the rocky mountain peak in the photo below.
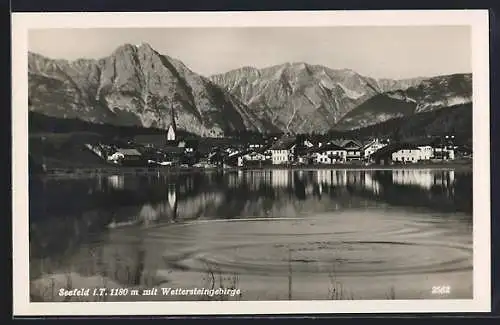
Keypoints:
(296, 65)
(135, 85)
(426, 96)
(146, 48)
(125, 48)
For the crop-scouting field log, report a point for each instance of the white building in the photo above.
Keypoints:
(330, 154)
(239, 161)
(255, 146)
(280, 156)
(411, 154)
(371, 147)
(282, 152)
(308, 144)
(444, 153)
(123, 154)
(255, 156)
(352, 147)
(427, 152)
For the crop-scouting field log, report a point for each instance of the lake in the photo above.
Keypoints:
(271, 234)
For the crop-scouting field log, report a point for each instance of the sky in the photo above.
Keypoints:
(380, 52)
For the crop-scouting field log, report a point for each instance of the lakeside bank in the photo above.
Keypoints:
(77, 172)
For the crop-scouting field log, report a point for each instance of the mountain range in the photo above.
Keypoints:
(137, 86)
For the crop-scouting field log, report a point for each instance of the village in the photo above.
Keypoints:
(279, 151)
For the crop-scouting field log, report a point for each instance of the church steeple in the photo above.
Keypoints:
(172, 129)
(172, 118)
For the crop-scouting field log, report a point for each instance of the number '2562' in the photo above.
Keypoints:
(441, 290)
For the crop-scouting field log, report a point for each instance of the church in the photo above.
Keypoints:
(172, 129)
(174, 143)
(170, 145)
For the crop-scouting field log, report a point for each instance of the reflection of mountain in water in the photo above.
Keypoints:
(69, 210)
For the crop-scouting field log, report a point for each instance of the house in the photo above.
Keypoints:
(330, 154)
(444, 154)
(442, 148)
(427, 152)
(464, 150)
(190, 146)
(172, 154)
(409, 154)
(256, 158)
(302, 149)
(256, 145)
(370, 147)
(218, 156)
(449, 141)
(400, 153)
(308, 143)
(126, 156)
(282, 151)
(98, 149)
(235, 158)
(352, 147)
(150, 140)
(445, 148)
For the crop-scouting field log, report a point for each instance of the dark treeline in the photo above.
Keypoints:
(449, 120)
(40, 123)
(455, 120)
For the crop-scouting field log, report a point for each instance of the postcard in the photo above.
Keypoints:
(200, 163)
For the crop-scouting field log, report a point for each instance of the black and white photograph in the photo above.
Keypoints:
(261, 161)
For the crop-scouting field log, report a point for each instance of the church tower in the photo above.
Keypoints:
(172, 129)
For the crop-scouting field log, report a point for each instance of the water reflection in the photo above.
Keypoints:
(425, 179)
(265, 193)
(67, 213)
(116, 182)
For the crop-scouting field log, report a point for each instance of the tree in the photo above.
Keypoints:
(299, 145)
(396, 135)
(217, 157)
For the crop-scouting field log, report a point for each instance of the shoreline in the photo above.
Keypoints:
(72, 172)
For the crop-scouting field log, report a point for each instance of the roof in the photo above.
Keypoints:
(393, 147)
(368, 143)
(328, 147)
(283, 144)
(344, 143)
(155, 139)
(171, 149)
(428, 141)
(250, 151)
(255, 153)
(128, 151)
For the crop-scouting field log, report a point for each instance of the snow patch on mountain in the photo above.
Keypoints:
(452, 101)
(350, 93)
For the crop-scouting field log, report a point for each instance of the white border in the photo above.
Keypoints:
(477, 19)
